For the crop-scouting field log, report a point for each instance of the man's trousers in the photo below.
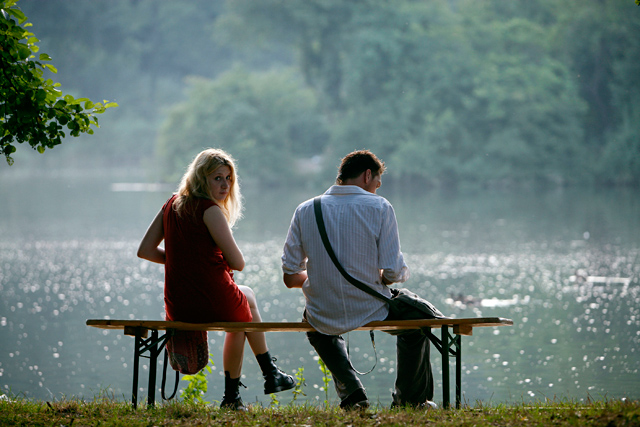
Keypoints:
(414, 380)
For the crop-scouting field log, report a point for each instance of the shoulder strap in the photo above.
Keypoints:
(317, 208)
(164, 378)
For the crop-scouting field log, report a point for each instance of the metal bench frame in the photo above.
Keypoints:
(448, 345)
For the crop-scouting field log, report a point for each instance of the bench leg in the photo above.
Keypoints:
(449, 345)
(458, 344)
(153, 362)
(136, 368)
(445, 366)
(153, 346)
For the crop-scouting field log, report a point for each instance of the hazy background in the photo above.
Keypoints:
(448, 93)
(510, 131)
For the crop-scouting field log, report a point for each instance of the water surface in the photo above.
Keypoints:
(67, 253)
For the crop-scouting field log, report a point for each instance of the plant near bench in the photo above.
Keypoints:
(197, 386)
(274, 401)
(296, 391)
(326, 378)
(300, 382)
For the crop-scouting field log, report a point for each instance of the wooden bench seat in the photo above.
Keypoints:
(450, 342)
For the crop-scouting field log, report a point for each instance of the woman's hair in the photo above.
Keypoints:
(194, 184)
(354, 163)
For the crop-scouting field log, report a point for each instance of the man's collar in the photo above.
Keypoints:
(337, 190)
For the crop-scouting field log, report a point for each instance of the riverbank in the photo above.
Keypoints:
(110, 412)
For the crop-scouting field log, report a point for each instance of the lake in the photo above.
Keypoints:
(562, 263)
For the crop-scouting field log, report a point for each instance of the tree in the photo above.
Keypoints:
(32, 108)
(621, 153)
(447, 91)
(268, 121)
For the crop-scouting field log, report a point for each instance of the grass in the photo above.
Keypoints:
(105, 411)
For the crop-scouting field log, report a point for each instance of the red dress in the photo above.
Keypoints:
(199, 286)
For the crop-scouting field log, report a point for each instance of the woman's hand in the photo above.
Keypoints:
(149, 248)
(219, 229)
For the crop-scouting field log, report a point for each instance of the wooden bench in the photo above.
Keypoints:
(449, 343)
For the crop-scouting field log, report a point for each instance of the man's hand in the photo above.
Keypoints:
(294, 280)
(384, 279)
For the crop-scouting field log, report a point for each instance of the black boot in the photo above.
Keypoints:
(274, 379)
(232, 399)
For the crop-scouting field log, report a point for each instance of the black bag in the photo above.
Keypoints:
(403, 305)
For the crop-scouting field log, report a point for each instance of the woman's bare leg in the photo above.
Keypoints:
(274, 379)
(257, 340)
(233, 353)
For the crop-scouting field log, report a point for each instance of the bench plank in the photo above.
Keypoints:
(461, 326)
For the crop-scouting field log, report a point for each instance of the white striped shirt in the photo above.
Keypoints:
(363, 232)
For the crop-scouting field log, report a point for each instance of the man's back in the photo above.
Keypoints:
(362, 229)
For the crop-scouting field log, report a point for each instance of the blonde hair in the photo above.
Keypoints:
(194, 184)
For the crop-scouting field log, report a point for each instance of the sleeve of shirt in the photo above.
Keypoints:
(294, 259)
(391, 260)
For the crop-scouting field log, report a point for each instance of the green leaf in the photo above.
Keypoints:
(18, 14)
(41, 95)
(88, 105)
(40, 149)
(8, 3)
(44, 57)
(115, 104)
(51, 68)
(23, 51)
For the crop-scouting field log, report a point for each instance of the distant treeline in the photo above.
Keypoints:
(446, 92)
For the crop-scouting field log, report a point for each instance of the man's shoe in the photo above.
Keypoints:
(355, 401)
(425, 405)
(430, 405)
(358, 406)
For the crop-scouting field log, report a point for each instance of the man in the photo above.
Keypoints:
(362, 229)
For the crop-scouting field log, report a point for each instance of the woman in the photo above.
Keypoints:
(199, 255)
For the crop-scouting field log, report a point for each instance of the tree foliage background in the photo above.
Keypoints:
(32, 108)
(447, 92)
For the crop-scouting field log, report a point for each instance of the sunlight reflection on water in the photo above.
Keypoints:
(570, 338)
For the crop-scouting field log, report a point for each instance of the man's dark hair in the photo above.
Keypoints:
(353, 164)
